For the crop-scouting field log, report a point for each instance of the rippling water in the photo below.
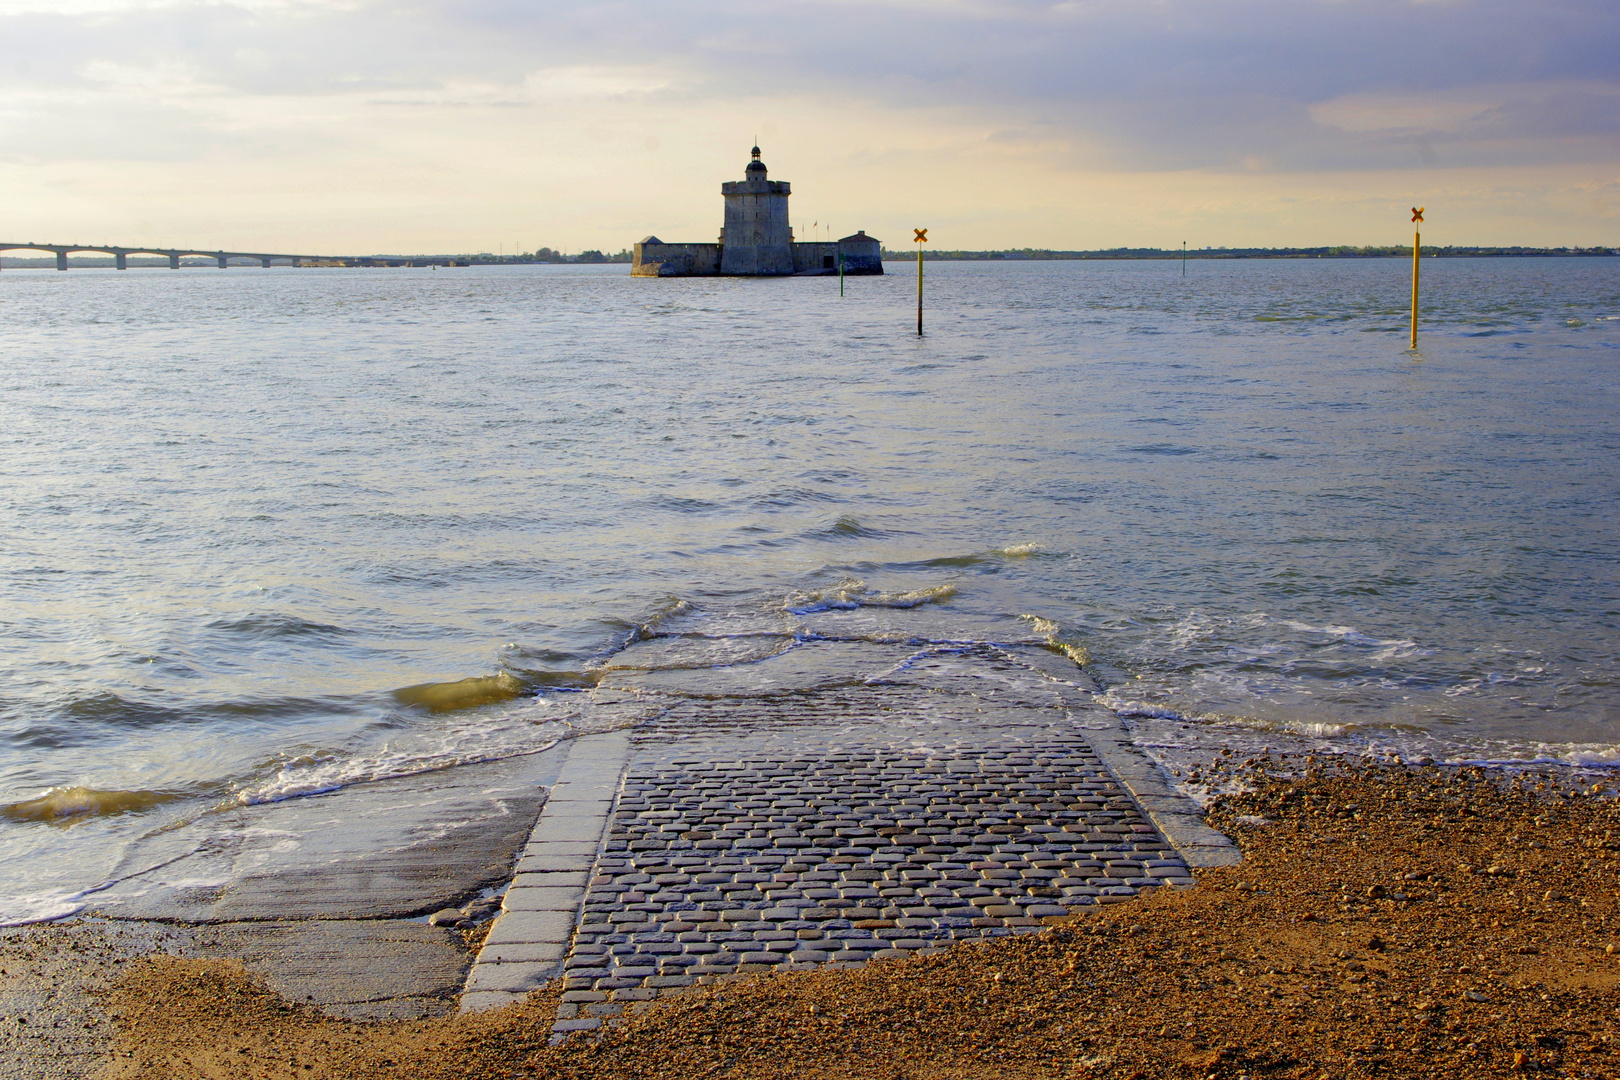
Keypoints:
(255, 522)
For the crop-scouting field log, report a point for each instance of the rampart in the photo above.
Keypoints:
(654, 258)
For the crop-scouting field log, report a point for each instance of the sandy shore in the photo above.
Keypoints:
(1388, 922)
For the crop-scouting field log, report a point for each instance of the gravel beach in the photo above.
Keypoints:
(1386, 921)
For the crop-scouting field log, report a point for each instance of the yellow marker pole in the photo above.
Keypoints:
(1417, 251)
(922, 238)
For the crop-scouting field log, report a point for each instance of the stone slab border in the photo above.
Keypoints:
(530, 938)
(1178, 818)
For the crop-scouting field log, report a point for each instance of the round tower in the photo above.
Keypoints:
(757, 238)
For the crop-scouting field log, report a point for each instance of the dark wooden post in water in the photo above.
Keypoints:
(922, 238)
(840, 273)
(1417, 250)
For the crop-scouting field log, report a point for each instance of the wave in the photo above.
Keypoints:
(849, 595)
(325, 778)
(474, 741)
(1262, 637)
(696, 651)
(1511, 755)
(1162, 449)
(793, 496)
(1388, 648)
(1192, 737)
(664, 612)
(275, 626)
(992, 557)
(682, 505)
(41, 907)
(1059, 639)
(71, 805)
(463, 693)
(1127, 707)
(846, 527)
(102, 708)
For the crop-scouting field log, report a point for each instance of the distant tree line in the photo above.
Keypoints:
(1337, 252)
(549, 255)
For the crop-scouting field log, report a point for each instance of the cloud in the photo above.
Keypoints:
(983, 91)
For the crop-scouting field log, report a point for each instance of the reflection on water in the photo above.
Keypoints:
(242, 510)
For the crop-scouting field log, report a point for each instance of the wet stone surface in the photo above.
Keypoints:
(729, 855)
(840, 802)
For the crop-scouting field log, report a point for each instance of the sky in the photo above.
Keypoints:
(446, 126)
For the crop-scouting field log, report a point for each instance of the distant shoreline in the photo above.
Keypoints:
(1342, 252)
(1006, 254)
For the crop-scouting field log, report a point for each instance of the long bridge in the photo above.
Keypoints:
(121, 256)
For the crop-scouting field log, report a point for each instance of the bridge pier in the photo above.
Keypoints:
(174, 262)
(61, 260)
(265, 263)
(120, 260)
(224, 263)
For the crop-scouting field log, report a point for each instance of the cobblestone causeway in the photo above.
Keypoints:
(835, 826)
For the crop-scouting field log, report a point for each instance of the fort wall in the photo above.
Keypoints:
(654, 258)
(757, 240)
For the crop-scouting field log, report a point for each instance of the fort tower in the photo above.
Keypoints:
(756, 238)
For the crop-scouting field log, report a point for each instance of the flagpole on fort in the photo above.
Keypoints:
(922, 238)
(1417, 249)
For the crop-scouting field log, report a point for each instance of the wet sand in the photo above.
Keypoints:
(1385, 922)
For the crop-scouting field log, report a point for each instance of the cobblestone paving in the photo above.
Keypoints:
(729, 856)
(844, 801)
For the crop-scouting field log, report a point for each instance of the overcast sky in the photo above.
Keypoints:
(440, 126)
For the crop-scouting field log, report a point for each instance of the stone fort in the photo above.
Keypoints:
(756, 240)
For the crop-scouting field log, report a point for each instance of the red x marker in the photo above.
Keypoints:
(1417, 213)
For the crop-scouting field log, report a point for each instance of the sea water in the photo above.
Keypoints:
(272, 533)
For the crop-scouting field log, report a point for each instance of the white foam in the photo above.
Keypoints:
(1056, 637)
(1388, 648)
(1136, 708)
(468, 740)
(1197, 626)
(1511, 755)
(40, 907)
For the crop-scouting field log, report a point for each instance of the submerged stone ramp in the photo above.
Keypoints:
(955, 793)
